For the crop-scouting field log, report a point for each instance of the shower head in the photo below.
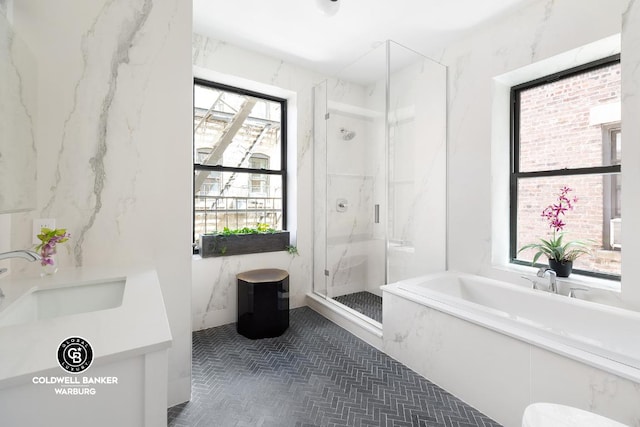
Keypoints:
(347, 135)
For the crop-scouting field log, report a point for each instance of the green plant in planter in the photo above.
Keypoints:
(246, 240)
(260, 228)
(292, 249)
(556, 248)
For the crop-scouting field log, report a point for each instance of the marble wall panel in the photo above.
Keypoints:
(114, 144)
(214, 286)
(537, 31)
(18, 95)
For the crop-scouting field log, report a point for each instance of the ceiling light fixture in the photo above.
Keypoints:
(328, 7)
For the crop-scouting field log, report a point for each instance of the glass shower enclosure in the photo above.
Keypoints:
(379, 176)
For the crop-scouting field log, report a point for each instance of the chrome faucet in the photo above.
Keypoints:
(542, 272)
(534, 284)
(23, 253)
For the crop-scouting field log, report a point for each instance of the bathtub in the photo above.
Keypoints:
(472, 334)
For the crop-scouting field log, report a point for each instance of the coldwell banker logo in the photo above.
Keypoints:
(75, 355)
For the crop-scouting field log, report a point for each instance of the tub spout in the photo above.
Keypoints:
(542, 272)
(534, 284)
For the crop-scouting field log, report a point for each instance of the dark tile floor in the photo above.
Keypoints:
(363, 302)
(315, 374)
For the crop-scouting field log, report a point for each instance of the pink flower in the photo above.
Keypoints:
(553, 212)
(50, 238)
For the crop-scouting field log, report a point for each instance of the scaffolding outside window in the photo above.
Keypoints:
(239, 155)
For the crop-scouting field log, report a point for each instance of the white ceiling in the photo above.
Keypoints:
(297, 31)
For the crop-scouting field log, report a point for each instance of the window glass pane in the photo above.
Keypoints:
(561, 123)
(616, 146)
(228, 199)
(230, 127)
(591, 219)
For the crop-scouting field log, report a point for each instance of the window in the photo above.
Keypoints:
(239, 159)
(259, 182)
(566, 131)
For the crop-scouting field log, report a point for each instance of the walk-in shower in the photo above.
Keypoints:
(380, 198)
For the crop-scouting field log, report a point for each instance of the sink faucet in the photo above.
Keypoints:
(23, 253)
(543, 271)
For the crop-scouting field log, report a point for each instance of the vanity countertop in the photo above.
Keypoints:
(138, 326)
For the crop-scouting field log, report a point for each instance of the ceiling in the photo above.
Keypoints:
(298, 31)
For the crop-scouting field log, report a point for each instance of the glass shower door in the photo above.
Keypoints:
(379, 176)
(356, 185)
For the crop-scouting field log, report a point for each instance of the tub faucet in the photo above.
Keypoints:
(534, 284)
(543, 271)
(23, 253)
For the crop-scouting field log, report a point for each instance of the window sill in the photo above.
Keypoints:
(573, 280)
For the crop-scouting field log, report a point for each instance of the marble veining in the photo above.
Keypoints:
(57, 177)
(213, 303)
(548, 12)
(627, 12)
(204, 47)
(17, 146)
(219, 297)
(601, 387)
(126, 41)
(22, 98)
(106, 72)
(459, 354)
(276, 73)
(303, 150)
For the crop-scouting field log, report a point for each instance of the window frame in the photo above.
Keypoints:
(282, 172)
(515, 174)
(259, 156)
(610, 210)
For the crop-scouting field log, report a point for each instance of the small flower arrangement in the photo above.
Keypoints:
(555, 248)
(50, 238)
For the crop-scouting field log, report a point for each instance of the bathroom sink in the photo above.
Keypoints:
(40, 304)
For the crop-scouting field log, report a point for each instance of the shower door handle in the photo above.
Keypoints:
(376, 214)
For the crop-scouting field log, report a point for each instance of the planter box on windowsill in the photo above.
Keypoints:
(215, 245)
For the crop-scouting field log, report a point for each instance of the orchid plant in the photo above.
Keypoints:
(556, 248)
(49, 239)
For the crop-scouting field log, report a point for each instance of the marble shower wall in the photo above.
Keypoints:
(348, 137)
(355, 175)
(214, 283)
(542, 30)
(114, 144)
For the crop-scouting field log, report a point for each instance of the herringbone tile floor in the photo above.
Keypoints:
(363, 302)
(316, 374)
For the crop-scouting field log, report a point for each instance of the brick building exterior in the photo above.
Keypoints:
(561, 126)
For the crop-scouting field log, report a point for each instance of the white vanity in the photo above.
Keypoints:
(121, 314)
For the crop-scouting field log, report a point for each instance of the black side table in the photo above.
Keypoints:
(263, 303)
